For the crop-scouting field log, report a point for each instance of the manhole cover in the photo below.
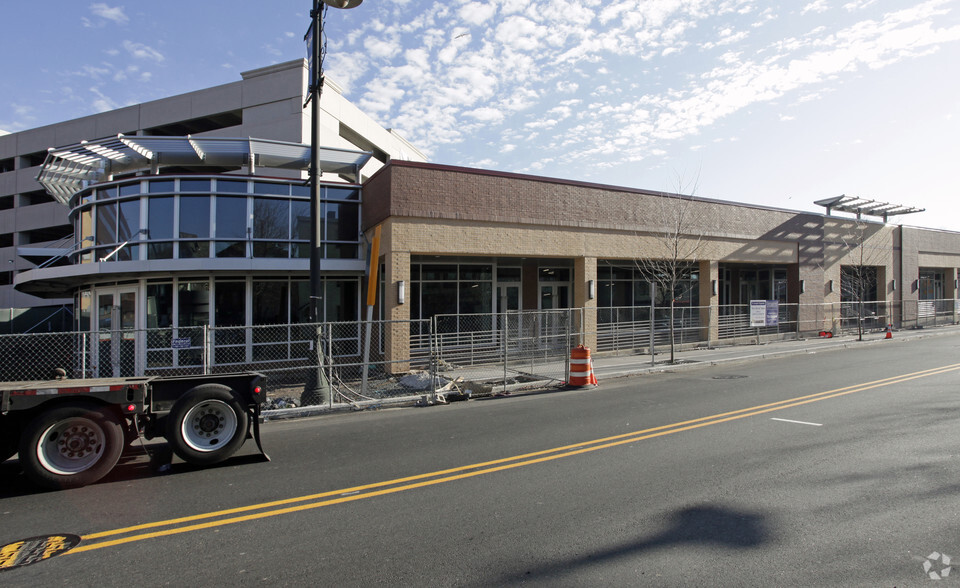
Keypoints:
(29, 551)
(728, 377)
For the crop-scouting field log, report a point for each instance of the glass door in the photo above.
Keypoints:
(508, 297)
(554, 296)
(508, 305)
(116, 347)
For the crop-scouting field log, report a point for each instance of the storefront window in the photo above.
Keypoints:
(193, 300)
(86, 234)
(931, 284)
(194, 185)
(84, 304)
(300, 228)
(231, 224)
(194, 224)
(230, 303)
(342, 221)
(300, 301)
(270, 303)
(160, 227)
(106, 224)
(271, 221)
(193, 313)
(159, 321)
(271, 188)
(232, 186)
(340, 300)
(160, 186)
(229, 311)
(128, 230)
(159, 306)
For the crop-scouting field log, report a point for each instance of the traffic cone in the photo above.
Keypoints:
(593, 375)
(889, 334)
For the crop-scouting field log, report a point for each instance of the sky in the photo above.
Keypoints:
(772, 103)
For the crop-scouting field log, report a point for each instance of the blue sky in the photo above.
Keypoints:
(772, 103)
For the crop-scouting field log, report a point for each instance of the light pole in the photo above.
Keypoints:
(315, 35)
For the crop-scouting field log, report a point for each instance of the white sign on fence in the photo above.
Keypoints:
(764, 313)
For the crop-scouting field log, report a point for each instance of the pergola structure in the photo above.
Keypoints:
(68, 170)
(861, 206)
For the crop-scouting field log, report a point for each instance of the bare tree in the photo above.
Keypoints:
(675, 248)
(859, 278)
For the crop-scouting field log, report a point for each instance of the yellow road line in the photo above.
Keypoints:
(468, 471)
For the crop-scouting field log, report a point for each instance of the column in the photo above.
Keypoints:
(709, 300)
(396, 344)
(585, 273)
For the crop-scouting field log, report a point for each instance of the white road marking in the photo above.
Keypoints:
(797, 422)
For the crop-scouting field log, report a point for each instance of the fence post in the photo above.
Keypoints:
(83, 355)
(505, 332)
(653, 352)
(207, 350)
(431, 363)
(566, 354)
(329, 358)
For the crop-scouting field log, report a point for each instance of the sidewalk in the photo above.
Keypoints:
(606, 367)
(616, 367)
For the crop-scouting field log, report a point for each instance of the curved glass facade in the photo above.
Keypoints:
(158, 260)
(215, 217)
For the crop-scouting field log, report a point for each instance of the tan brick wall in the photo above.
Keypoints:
(443, 210)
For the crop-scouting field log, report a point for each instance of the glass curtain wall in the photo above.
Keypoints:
(453, 290)
(624, 294)
(177, 310)
(190, 218)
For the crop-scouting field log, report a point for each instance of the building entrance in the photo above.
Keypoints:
(508, 296)
(554, 296)
(115, 351)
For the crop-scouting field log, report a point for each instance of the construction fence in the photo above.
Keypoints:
(476, 354)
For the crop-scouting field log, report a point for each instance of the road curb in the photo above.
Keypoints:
(685, 365)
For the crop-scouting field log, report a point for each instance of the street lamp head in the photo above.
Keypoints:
(343, 3)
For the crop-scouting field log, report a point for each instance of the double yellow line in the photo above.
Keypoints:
(312, 501)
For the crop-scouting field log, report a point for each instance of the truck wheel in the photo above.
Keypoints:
(207, 425)
(8, 439)
(7, 448)
(71, 446)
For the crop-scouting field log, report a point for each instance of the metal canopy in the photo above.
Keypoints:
(67, 170)
(861, 206)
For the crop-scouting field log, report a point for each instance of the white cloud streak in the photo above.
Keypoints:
(644, 71)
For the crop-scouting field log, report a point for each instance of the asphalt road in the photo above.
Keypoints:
(830, 469)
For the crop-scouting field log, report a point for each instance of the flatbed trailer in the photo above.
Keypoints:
(71, 432)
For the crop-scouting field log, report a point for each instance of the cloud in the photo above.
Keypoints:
(477, 13)
(381, 48)
(102, 102)
(485, 114)
(818, 6)
(639, 73)
(113, 14)
(141, 51)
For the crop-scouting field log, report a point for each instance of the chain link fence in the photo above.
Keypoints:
(490, 353)
(479, 354)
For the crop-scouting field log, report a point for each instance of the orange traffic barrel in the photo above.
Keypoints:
(581, 367)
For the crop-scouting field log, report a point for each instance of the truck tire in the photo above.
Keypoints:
(207, 425)
(8, 447)
(71, 445)
(9, 434)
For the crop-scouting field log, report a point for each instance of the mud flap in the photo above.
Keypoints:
(255, 418)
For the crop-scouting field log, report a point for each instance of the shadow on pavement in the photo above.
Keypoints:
(706, 524)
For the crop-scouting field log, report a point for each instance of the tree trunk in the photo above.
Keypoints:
(672, 355)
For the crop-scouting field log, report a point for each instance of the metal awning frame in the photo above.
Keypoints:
(861, 206)
(68, 170)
